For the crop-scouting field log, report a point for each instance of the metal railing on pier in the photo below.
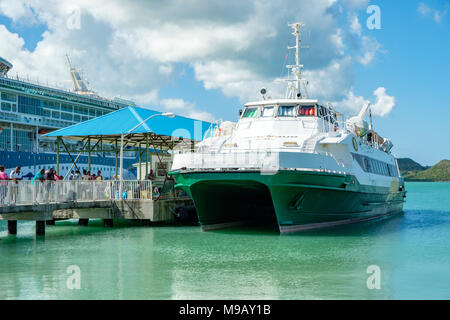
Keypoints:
(47, 191)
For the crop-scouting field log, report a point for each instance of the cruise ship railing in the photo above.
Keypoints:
(47, 191)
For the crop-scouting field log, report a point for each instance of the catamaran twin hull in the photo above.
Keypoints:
(295, 200)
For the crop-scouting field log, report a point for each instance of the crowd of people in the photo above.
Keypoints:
(42, 176)
(43, 181)
(50, 174)
(76, 175)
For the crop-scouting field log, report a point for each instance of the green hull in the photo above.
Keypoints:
(294, 200)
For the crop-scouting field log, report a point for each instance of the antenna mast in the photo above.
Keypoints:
(294, 88)
(80, 85)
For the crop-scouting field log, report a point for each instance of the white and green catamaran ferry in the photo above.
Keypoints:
(293, 162)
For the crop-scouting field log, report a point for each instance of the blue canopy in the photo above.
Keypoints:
(123, 120)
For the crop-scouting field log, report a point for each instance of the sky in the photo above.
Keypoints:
(205, 59)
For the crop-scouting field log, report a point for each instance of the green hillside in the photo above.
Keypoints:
(407, 165)
(438, 172)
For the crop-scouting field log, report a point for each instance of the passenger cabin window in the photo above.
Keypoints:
(307, 111)
(268, 112)
(286, 111)
(250, 113)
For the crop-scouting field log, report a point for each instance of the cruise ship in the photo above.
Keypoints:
(28, 110)
(292, 162)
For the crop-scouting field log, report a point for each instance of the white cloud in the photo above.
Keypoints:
(184, 108)
(148, 98)
(436, 15)
(16, 10)
(370, 47)
(133, 49)
(355, 26)
(356, 4)
(383, 104)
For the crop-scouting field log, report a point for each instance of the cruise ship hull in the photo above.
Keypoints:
(293, 200)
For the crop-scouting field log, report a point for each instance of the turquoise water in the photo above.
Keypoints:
(130, 261)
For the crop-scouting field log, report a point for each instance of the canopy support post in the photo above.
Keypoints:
(146, 155)
(121, 157)
(116, 151)
(121, 166)
(139, 177)
(57, 155)
(89, 153)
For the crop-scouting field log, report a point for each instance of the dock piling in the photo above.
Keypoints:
(40, 228)
(83, 222)
(108, 223)
(12, 227)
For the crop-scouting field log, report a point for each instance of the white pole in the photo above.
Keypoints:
(121, 157)
(121, 167)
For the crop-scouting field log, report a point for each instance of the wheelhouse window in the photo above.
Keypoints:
(306, 111)
(250, 113)
(286, 111)
(268, 111)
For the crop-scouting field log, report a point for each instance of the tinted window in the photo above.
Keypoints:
(307, 111)
(268, 112)
(286, 111)
(250, 112)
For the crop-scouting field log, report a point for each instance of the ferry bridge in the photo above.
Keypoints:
(130, 129)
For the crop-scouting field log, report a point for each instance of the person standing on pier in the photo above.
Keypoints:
(15, 176)
(3, 184)
(77, 175)
(38, 179)
(85, 175)
(50, 177)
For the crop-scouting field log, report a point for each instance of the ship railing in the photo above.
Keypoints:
(248, 159)
(258, 159)
(26, 192)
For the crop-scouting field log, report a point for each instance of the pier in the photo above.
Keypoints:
(125, 133)
(48, 201)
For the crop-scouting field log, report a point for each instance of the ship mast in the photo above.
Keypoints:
(294, 90)
(80, 85)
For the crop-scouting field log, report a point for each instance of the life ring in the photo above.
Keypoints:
(355, 144)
